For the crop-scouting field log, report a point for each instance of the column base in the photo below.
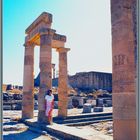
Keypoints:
(42, 118)
(27, 115)
(27, 111)
(62, 109)
(62, 113)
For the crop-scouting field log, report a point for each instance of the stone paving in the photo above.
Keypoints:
(71, 133)
(71, 112)
(13, 130)
(103, 127)
(86, 132)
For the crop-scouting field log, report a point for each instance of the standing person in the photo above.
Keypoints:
(49, 104)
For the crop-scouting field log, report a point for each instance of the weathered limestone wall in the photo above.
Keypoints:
(91, 80)
(86, 80)
(124, 68)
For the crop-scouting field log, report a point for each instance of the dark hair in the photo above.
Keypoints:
(48, 92)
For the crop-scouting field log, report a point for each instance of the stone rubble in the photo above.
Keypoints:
(104, 127)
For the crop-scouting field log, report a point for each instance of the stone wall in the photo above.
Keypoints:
(87, 81)
(91, 80)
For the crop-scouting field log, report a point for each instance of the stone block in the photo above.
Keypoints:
(100, 102)
(70, 103)
(81, 102)
(92, 102)
(77, 101)
(6, 107)
(17, 107)
(98, 109)
(87, 108)
(109, 103)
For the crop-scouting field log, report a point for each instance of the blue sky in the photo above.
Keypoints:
(86, 23)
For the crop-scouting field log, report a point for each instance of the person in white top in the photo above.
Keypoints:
(49, 104)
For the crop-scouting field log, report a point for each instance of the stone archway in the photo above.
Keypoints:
(40, 33)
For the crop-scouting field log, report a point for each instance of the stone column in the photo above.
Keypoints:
(62, 83)
(45, 70)
(28, 82)
(124, 70)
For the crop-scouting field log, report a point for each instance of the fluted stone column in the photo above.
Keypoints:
(45, 70)
(124, 70)
(62, 83)
(28, 82)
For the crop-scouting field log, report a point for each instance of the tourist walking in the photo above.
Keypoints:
(49, 105)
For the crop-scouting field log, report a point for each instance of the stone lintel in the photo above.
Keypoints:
(47, 31)
(44, 17)
(61, 50)
(59, 37)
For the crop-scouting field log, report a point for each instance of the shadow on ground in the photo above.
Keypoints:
(13, 130)
(25, 135)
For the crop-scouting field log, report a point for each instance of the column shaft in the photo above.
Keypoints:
(28, 83)
(45, 73)
(124, 70)
(62, 83)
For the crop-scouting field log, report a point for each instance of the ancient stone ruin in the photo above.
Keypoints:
(124, 50)
(86, 80)
(40, 33)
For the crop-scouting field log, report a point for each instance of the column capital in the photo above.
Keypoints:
(61, 50)
(29, 44)
(47, 31)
